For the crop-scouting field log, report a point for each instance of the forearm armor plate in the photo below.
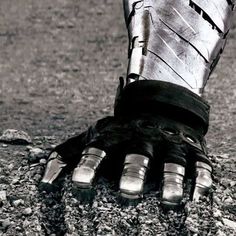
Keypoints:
(176, 41)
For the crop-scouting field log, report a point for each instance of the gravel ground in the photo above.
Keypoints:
(59, 65)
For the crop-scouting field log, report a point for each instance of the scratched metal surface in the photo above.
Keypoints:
(59, 65)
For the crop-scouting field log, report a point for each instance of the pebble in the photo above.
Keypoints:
(219, 224)
(217, 213)
(26, 223)
(217, 200)
(15, 180)
(43, 161)
(229, 223)
(35, 154)
(95, 204)
(191, 225)
(24, 163)
(3, 195)
(5, 223)
(10, 166)
(33, 187)
(232, 183)
(27, 211)
(220, 233)
(149, 222)
(18, 228)
(225, 182)
(38, 228)
(15, 137)
(18, 202)
(71, 228)
(37, 177)
(228, 200)
(28, 148)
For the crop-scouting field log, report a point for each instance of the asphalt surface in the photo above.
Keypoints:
(59, 67)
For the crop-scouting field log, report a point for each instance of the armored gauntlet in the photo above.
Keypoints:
(157, 131)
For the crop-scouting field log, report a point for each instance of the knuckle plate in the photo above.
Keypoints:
(133, 176)
(84, 173)
(135, 159)
(172, 189)
(174, 168)
(94, 151)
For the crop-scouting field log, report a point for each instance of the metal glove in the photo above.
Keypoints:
(148, 139)
(160, 120)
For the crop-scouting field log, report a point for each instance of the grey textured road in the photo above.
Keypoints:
(59, 67)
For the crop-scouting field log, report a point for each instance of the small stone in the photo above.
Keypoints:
(18, 202)
(3, 195)
(220, 233)
(38, 142)
(219, 224)
(105, 227)
(35, 154)
(227, 182)
(28, 148)
(26, 223)
(74, 200)
(217, 200)
(27, 211)
(149, 222)
(37, 177)
(4, 224)
(232, 183)
(95, 204)
(18, 228)
(229, 223)
(4, 145)
(15, 180)
(104, 199)
(43, 161)
(33, 187)
(217, 213)
(10, 166)
(191, 225)
(15, 137)
(71, 228)
(228, 200)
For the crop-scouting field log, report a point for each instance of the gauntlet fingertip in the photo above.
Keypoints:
(54, 169)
